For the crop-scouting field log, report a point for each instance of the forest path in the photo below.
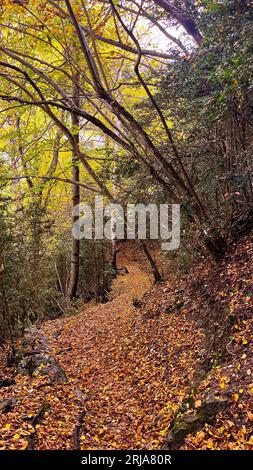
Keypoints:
(118, 358)
(128, 370)
(102, 364)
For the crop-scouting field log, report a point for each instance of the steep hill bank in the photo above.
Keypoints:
(130, 373)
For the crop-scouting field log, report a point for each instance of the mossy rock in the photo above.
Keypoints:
(190, 422)
(175, 307)
(43, 365)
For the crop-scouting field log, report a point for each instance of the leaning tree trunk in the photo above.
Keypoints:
(182, 18)
(155, 270)
(114, 240)
(75, 249)
(114, 215)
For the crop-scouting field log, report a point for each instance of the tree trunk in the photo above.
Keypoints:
(114, 247)
(186, 22)
(75, 249)
(155, 271)
(114, 217)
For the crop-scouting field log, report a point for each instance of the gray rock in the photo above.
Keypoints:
(45, 364)
(191, 422)
(212, 406)
(7, 404)
(184, 426)
(32, 336)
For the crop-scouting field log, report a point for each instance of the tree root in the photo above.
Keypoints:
(77, 429)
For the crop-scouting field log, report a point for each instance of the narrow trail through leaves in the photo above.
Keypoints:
(127, 373)
(101, 364)
(131, 368)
